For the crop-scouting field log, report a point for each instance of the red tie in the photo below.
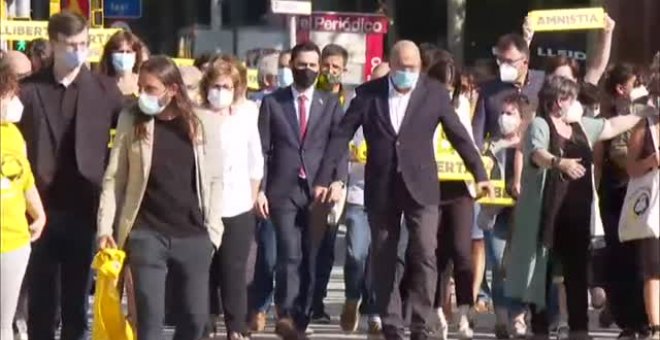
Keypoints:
(302, 121)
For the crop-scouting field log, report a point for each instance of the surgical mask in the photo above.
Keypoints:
(150, 105)
(220, 98)
(74, 59)
(13, 111)
(508, 124)
(508, 73)
(638, 92)
(574, 113)
(284, 77)
(404, 79)
(123, 62)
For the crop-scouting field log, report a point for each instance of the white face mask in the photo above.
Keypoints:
(150, 105)
(508, 124)
(638, 92)
(13, 111)
(220, 98)
(574, 113)
(508, 73)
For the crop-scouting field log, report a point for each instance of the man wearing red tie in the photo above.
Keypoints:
(295, 124)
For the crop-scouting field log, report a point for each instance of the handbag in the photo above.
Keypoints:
(640, 216)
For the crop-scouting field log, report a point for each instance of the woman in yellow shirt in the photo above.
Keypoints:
(18, 195)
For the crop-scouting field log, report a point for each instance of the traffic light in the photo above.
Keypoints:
(19, 45)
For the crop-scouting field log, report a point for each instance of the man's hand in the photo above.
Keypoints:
(335, 192)
(261, 205)
(484, 189)
(572, 168)
(320, 193)
(106, 241)
(36, 228)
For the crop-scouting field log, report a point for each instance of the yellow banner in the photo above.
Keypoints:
(30, 30)
(252, 79)
(452, 168)
(567, 19)
(184, 61)
(501, 198)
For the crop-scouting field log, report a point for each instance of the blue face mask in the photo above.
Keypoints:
(284, 77)
(150, 105)
(75, 58)
(403, 80)
(123, 62)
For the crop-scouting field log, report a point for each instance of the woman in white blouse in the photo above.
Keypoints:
(222, 89)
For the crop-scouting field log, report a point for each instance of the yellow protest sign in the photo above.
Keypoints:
(184, 61)
(30, 30)
(501, 198)
(252, 79)
(450, 163)
(567, 19)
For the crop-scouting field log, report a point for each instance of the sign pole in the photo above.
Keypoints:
(291, 25)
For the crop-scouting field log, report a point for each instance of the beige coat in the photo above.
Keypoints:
(126, 176)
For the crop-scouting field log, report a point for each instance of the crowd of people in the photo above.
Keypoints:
(228, 201)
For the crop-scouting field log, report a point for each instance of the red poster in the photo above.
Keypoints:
(77, 6)
(374, 54)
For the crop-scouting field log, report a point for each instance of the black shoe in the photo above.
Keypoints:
(605, 318)
(321, 318)
(627, 334)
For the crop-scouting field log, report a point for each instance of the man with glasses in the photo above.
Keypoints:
(512, 53)
(68, 114)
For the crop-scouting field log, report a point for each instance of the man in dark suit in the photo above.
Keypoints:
(398, 115)
(69, 112)
(295, 124)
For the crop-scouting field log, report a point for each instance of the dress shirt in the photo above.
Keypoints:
(242, 158)
(398, 103)
(309, 95)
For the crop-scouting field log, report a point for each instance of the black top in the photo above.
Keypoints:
(170, 203)
(68, 182)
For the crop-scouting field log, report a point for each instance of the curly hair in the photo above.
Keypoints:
(8, 79)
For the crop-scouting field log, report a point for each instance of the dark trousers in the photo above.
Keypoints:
(65, 251)
(455, 244)
(324, 263)
(295, 256)
(231, 268)
(571, 250)
(260, 290)
(624, 286)
(153, 257)
(421, 271)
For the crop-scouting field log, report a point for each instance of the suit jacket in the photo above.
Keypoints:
(410, 152)
(126, 177)
(285, 153)
(98, 105)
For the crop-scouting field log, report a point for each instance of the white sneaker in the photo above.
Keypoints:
(22, 333)
(563, 331)
(465, 332)
(309, 331)
(519, 329)
(443, 326)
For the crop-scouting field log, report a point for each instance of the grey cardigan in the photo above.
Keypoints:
(125, 179)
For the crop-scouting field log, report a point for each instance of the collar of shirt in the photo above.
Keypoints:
(83, 75)
(309, 93)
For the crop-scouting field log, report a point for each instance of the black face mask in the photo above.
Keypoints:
(304, 78)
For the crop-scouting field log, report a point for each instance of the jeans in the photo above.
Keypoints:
(261, 289)
(65, 251)
(495, 242)
(153, 257)
(358, 240)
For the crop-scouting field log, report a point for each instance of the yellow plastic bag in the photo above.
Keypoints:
(110, 323)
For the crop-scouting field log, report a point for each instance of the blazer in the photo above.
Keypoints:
(410, 152)
(98, 105)
(125, 180)
(285, 153)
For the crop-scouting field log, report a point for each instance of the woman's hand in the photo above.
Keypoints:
(36, 228)
(106, 241)
(572, 167)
